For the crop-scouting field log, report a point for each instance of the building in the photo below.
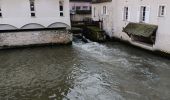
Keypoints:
(18, 16)
(34, 14)
(80, 10)
(102, 11)
(143, 23)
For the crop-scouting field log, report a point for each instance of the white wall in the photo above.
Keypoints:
(163, 37)
(17, 13)
(107, 18)
(116, 20)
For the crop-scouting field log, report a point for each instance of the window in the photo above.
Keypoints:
(126, 13)
(78, 7)
(104, 10)
(73, 7)
(161, 11)
(61, 8)
(143, 14)
(0, 12)
(32, 8)
(85, 7)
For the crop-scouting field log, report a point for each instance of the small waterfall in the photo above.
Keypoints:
(96, 50)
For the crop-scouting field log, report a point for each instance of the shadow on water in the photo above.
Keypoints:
(83, 71)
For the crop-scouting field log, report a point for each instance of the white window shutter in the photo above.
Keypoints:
(147, 14)
(123, 13)
(129, 14)
(138, 15)
(106, 10)
(101, 10)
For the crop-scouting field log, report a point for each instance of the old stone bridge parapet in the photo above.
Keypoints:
(30, 38)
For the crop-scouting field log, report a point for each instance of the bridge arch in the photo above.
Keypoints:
(7, 27)
(59, 25)
(32, 26)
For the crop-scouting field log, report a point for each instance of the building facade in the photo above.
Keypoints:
(149, 18)
(102, 11)
(80, 10)
(34, 14)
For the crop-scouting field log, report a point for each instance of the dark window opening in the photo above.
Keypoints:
(143, 14)
(32, 8)
(78, 8)
(32, 14)
(161, 11)
(61, 8)
(61, 14)
(0, 13)
(126, 13)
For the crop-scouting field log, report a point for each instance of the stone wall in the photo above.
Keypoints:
(15, 39)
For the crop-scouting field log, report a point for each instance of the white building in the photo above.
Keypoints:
(117, 15)
(102, 10)
(80, 9)
(34, 14)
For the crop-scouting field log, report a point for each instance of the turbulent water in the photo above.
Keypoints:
(83, 71)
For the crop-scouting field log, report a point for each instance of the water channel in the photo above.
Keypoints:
(83, 71)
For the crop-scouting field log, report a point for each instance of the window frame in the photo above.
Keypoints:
(78, 7)
(85, 7)
(32, 8)
(1, 12)
(143, 10)
(125, 13)
(161, 11)
(104, 10)
(61, 8)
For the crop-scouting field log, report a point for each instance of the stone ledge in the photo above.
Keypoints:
(33, 38)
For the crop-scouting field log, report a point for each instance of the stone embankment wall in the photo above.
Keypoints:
(15, 39)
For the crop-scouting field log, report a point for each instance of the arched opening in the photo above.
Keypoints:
(32, 26)
(59, 25)
(7, 27)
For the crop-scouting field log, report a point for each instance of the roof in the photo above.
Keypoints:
(140, 29)
(100, 1)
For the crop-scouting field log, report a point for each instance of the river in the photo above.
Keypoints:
(83, 71)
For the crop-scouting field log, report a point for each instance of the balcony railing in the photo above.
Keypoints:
(80, 12)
